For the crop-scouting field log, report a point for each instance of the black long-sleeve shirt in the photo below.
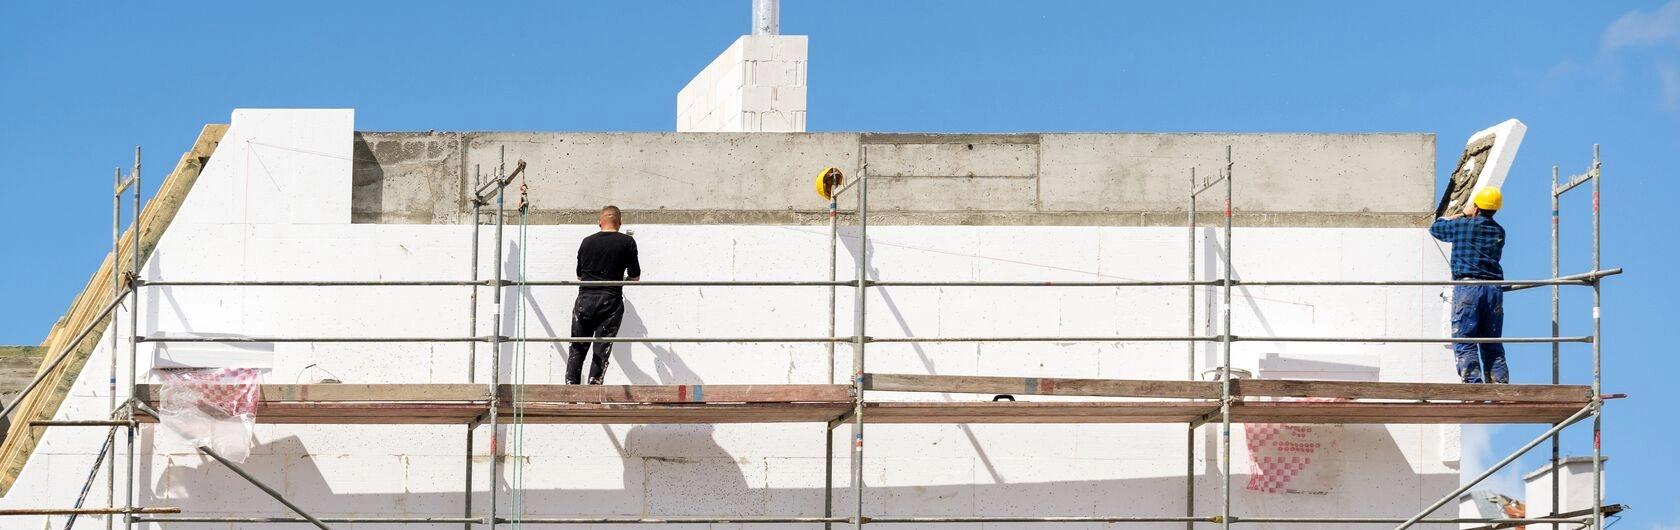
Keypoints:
(607, 256)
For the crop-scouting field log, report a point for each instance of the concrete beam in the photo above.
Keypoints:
(1111, 179)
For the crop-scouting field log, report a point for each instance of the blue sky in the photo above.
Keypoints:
(83, 84)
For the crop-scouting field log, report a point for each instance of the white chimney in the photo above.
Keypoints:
(1575, 486)
(756, 85)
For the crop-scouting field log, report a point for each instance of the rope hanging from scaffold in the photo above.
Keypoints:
(520, 372)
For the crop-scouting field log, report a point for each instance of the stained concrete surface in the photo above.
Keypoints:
(1071, 179)
(18, 365)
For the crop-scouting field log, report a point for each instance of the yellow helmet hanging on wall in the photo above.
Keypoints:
(1488, 198)
(828, 180)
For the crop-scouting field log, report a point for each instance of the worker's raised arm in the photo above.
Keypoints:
(1446, 228)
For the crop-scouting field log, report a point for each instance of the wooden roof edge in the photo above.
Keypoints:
(153, 220)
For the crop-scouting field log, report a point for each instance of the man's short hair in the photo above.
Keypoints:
(611, 214)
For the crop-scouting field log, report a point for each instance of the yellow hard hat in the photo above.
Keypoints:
(1488, 198)
(828, 180)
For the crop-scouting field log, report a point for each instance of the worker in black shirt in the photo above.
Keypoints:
(604, 256)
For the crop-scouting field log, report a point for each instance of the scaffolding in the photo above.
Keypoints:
(1192, 402)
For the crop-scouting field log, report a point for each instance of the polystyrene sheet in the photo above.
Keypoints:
(212, 407)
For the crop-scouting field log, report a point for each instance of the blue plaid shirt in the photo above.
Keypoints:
(1477, 245)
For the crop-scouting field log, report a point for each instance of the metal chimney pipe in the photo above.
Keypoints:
(767, 17)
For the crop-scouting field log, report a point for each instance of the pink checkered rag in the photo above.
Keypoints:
(1282, 454)
(230, 391)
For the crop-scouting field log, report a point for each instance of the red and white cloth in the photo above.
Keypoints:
(212, 407)
(229, 391)
(1294, 458)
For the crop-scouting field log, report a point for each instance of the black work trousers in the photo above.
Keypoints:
(596, 314)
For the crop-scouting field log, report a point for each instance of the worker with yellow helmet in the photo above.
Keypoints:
(1478, 311)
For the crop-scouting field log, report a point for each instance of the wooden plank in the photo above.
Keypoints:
(1401, 413)
(1037, 412)
(1412, 391)
(1068, 412)
(329, 392)
(922, 383)
(1044, 386)
(597, 413)
(680, 393)
(373, 413)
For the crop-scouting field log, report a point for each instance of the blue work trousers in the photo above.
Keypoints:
(1479, 312)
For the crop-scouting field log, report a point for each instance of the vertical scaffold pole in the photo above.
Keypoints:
(833, 265)
(1225, 360)
(472, 351)
(1597, 346)
(1190, 357)
(496, 346)
(858, 341)
(833, 310)
(466, 510)
(116, 291)
(472, 296)
(828, 473)
(133, 336)
(1556, 441)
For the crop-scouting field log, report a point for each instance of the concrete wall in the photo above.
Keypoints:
(1120, 179)
(288, 218)
(755, 85)
(18, 365)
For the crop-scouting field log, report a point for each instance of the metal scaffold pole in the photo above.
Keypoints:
(833, 272)
(1597, 345)
(1190, 355)
(472, 295)
(496, 344)
(860, 338)
(133, 338)
(116, 292)
(472, 347)
(1556, 347)
(828, 474)
(1225, 360)
(833, 311)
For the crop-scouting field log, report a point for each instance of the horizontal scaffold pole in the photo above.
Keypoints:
(872, 520)
(80, 423)
(793, 340)
(295, 520)
(1574, 181)
(1575, 279)
(87, 511)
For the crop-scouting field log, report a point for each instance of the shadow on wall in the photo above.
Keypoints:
(678, 470)
(367, 183)
(668, 367)
(851, 244)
